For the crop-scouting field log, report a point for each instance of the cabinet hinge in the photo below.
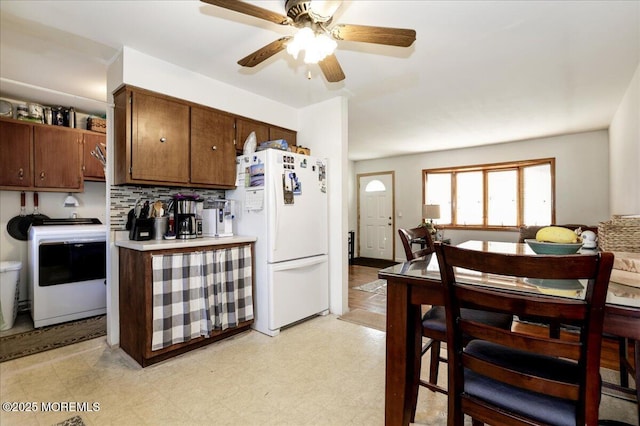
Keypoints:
(130, 98)
(130, 170)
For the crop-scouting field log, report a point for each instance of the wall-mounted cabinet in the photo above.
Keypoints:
(212, 143)
(51, 144)
(92, 168)
(16, 161)
(160, 140)
(264, 132)
(151, 136)
(40, 157)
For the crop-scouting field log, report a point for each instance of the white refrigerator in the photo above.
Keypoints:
(281, 198)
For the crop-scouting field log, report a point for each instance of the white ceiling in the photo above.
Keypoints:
(480, 72)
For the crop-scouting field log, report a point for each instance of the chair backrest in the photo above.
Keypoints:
(587, 314)
(406, 235)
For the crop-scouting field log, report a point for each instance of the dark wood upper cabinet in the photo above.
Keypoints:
(50, 145)
(264, 132)
(244, 128)
(16, 154)
(92, 167)
(276, 133)
(159, 139)
(40, 157)
(213, 152)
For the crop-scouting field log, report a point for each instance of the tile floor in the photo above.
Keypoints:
(320, 372)
(22, 323)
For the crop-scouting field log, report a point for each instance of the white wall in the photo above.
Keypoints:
(92, 204)
(624, 159)
(582, 179)
(150, 73)
(324, 127)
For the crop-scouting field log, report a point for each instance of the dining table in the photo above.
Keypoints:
(415, 283)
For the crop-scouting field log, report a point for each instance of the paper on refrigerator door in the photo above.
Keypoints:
(254, 199)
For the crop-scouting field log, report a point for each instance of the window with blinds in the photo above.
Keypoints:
(493, 196)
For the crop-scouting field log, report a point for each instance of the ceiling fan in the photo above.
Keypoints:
(315, 35)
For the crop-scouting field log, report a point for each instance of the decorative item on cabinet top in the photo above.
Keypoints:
(56, 115)
(300, 150)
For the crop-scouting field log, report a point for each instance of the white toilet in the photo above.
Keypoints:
(9, 293)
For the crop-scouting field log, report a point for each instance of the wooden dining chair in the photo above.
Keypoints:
(505, 377)
(434, 328)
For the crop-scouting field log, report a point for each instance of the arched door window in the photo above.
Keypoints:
(375, 186)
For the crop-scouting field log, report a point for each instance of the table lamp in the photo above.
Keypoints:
(430, 212)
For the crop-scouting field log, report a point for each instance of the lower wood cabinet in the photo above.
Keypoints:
(146, 334)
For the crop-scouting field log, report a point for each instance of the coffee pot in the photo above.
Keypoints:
(185, 216)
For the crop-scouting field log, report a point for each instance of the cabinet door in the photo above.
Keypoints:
(57, 158)
(15, 154)
(244, 129)
(213, 153)
(276, 133)
(160, 139)
(92, 167)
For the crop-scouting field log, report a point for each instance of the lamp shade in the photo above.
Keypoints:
(431, 211)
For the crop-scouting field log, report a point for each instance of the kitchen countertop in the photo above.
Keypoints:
(124, 241)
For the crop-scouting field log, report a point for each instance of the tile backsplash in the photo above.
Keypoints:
(124, 197)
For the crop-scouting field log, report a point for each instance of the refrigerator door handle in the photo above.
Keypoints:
(277, 214)
(300, 263)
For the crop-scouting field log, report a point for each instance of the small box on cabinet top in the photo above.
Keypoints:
(96, 124)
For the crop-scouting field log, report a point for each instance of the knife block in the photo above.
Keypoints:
(141, 230)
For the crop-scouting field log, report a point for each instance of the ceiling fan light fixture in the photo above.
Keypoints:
(323, 10)
(316, 46)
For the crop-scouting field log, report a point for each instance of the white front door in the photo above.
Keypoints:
(375, 206)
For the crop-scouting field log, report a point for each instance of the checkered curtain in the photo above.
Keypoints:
(195, 293)
(179, 312)
(228, 290)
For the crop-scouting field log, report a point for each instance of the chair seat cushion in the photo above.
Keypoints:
(434, 318)
(539, 406)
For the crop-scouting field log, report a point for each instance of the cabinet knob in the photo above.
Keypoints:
(214, 148)
(21, 173)
(42, 175)
(163, 140)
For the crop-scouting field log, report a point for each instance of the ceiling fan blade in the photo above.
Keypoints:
(380, 35)
(264, 53)
(249, 9)
(331, 69)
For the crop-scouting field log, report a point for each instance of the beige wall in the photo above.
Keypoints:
(624, 153)
(92, 204)
(582, 179)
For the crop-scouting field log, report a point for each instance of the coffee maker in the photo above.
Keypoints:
(224, 223)
(185, 216)
(217, 218)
